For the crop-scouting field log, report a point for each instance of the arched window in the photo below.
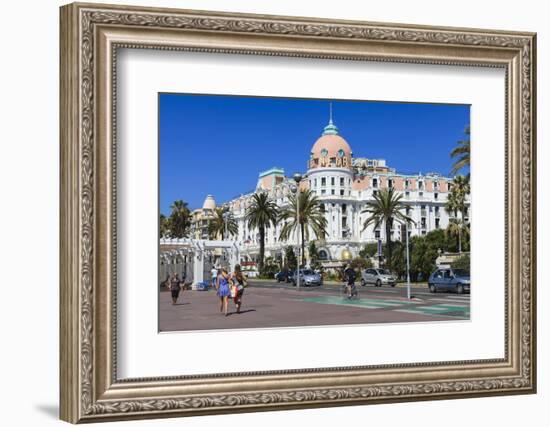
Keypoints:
(323, 255)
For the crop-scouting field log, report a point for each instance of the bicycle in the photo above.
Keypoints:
(354, 292)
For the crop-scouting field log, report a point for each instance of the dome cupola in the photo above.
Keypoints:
(209, 203)
(330, 150)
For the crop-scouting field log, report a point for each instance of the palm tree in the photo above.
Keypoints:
(261, 213)
(456, 202)
(311, 217)
(180, 219)
(386, 207)
(460, 188)
(462, 153)
(457, 227)
(164, 226)
(222, 222)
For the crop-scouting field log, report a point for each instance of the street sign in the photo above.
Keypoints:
(379, 247)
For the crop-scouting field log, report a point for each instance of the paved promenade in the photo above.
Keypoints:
(279, 305)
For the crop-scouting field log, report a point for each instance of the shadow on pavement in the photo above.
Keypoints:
(244, 311)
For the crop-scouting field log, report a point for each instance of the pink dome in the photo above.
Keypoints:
(330, 150)
(332, 144)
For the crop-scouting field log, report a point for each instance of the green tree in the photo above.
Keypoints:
(290, 258)
(456, 202)
(457, 228)
(399, 259)
(261, 213)
(180, 219)
(360, 263)
(311, 218)
(222, 221)
(164, 226)
(270, 268)
(438, 239)
(462, 262)
(461, 153)
(386, 207)
(313, 255)
(369, 250)
(422, 257)
(424, 251)
(460, 188)
(465, 233)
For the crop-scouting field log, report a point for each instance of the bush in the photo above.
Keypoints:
(370, 250)
(360, 263)
(269, 270)
(330, 275)
(462, 261)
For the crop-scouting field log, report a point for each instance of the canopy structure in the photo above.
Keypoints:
(192, 259)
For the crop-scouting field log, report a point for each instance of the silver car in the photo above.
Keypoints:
(308, 277)
(377, 277)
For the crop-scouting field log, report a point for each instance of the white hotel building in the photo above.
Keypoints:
(344, 185)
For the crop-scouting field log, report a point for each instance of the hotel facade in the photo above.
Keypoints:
(344, 185)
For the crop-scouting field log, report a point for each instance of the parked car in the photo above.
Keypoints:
(250, 273)
(377, 277)
(450, 280)
(283, 276)
(308, 277)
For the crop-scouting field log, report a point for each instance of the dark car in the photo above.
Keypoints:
(283, 276)
(450, 280)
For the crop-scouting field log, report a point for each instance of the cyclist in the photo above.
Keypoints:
(350, 275)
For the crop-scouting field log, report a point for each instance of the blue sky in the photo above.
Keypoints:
(218, 144)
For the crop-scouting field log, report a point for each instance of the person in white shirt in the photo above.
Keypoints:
(214, 273)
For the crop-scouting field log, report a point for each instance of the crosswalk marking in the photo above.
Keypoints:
(450, 309)
(441, 307)
(353, 302)
(465, 301)
(426, 292)
(443, 313)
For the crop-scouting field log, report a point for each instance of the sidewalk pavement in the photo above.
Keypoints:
(265, 307)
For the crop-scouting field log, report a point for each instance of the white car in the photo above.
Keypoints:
(377, 277)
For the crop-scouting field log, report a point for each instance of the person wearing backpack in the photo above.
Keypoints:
(350, 275)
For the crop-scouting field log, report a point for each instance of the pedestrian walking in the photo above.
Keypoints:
(175, 287)
(223, 291)
(214, 273)
(239, 282)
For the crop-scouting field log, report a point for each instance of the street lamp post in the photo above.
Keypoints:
(297, 178)
(408, 273)
(379, 250)
(226, 219)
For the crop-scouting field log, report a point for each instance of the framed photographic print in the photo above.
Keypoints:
(266, 213)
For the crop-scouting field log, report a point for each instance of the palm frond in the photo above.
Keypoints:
(461, 153)
(312, 218)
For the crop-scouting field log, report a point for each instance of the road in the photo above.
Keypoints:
(269, 304)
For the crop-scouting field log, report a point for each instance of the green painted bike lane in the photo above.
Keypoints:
(450, 310)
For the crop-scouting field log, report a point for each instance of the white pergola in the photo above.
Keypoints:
(196, 250)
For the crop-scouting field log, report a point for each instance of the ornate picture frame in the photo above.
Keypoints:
(90, 37)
